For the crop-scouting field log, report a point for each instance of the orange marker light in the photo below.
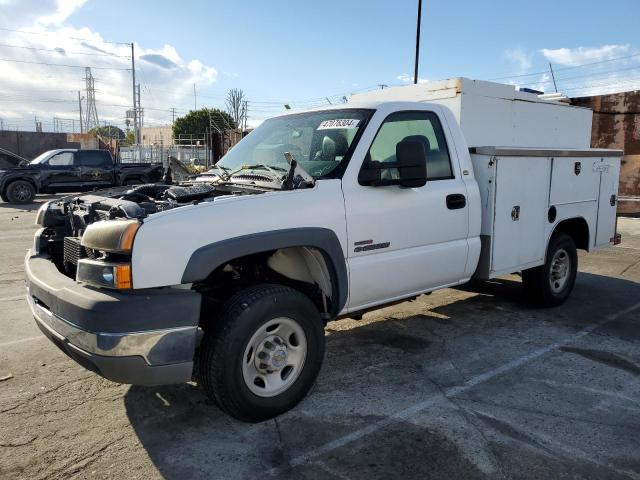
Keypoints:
(122, 274)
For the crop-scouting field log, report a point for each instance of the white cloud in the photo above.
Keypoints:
(31, 89)
(519, 57)
(406, 78)
(64, 9)
(571, 57)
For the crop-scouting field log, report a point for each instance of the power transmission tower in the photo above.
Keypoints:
(91, 116)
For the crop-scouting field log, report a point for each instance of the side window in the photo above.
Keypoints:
(94, 158)
(418, 126)
(63, 159)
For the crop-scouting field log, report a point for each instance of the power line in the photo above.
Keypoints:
(63, 51)
(561, 69)
(60, 64)
(56, 33)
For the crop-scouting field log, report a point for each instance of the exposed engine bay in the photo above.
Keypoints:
(66, 220)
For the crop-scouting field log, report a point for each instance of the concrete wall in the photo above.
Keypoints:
(157, 135)
(31, 144)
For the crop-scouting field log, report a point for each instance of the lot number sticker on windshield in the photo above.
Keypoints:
(339, 123)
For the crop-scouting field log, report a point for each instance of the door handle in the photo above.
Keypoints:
(456, 201)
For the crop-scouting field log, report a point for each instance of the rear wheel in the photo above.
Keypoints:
(20, 191)
(551, 284)
(263, 355)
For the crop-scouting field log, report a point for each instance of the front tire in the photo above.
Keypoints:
(549, 285)
(20, 191)
(263, 355)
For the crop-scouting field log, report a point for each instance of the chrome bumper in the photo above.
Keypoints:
(156, 347)
(139, 337)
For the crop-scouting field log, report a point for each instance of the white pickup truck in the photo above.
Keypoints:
(314, 216)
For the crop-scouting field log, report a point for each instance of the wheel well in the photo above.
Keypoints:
(306, 269)
(576, 228)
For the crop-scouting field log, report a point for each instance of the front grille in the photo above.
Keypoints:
(73, 251)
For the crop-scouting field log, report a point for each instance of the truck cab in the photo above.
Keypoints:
(314, 216)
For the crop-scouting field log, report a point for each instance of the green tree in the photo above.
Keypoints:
(198, 122)
(130, 138)
(108, 131)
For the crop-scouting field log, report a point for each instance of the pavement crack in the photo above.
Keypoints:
(20, 443)
(467, 416)
(629, 267)
(283, 455)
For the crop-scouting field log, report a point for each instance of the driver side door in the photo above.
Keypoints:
(404, 241)
(62, 172)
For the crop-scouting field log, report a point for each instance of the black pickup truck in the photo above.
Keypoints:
(71, 170)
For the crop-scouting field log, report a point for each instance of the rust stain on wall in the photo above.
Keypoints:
(616, 124)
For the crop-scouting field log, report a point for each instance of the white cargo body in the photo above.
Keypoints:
(525, 193)
(496, 114)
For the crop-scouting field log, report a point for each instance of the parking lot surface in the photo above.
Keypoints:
(465, 383)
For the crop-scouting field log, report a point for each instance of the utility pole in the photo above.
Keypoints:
(382, 86)
(195, 103)
(80, 109)
(245, 111)
(553, 78)
(415, 71)
(1, 124)
(136, 133)
(173, 115)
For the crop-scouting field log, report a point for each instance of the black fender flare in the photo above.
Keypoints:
(209, 257)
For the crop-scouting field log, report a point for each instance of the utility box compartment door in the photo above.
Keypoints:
(574, 180)
(609, 173)
(521, 195)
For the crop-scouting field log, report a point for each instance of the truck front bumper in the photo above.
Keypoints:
(139, 337)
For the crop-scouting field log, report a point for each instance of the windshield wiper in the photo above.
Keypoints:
(259, 166)
(297, 176)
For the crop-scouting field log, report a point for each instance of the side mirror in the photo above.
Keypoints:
(411, 164)
(411, 158)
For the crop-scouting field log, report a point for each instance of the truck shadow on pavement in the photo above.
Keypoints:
(415, 351)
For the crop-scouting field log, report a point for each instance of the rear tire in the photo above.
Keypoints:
(549, 285)
(20, 191)
(262, 356)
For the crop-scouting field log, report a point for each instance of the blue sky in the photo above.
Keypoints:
(302, 51)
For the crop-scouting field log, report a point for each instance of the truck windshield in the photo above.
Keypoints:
(319, 141)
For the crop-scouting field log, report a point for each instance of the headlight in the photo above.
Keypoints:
(113, 236)
(104, 274)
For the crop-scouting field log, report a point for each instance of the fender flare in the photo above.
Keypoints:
(209, 257)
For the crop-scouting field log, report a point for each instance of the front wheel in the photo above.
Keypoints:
(20, 191)
(263, 355)
(551, 284)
